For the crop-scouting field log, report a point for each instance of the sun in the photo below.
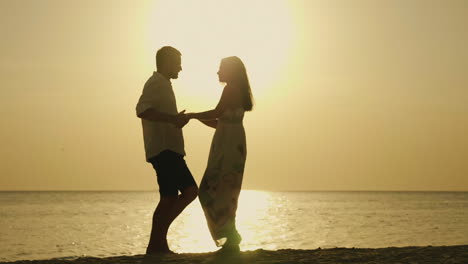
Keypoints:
(259, 32)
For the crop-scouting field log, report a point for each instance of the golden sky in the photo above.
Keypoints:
(350, 95)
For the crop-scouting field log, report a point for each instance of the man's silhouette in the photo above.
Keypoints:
(164, 146)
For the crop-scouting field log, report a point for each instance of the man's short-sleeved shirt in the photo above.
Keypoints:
(159, 136)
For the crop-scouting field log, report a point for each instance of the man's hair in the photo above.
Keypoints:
(166, 54)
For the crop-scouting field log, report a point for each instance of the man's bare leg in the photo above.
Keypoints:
(165, 205)
(187, 196)
(167, 211)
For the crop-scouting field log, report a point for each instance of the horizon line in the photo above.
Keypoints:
(260, 190)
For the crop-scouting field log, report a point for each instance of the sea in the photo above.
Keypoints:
(45, 225)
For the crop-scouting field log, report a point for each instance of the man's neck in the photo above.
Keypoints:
(165, 75)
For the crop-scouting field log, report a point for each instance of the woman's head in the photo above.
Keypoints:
(232, 71)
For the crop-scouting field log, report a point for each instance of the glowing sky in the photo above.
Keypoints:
(361, 95)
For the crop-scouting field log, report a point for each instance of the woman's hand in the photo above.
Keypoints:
(190, 115)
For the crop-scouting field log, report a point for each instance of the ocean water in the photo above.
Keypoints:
(43, 225)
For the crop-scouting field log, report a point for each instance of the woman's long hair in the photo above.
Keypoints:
(239, 77)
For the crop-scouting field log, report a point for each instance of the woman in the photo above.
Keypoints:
(221, 184)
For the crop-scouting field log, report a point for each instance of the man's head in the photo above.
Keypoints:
(168, 62)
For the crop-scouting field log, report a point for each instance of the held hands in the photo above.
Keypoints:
(190, 115)
(181, 119)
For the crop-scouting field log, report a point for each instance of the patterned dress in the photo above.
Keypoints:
(222, 181)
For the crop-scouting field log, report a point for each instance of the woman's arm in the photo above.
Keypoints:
(207, 115)
(211, 123)
(224, 102)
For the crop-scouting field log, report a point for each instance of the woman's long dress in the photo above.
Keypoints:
(222, 181)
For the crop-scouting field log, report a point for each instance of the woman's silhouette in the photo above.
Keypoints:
(222, 181)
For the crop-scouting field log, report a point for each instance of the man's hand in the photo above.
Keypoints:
(181, 119)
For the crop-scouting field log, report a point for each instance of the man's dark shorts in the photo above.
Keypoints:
(172, 173)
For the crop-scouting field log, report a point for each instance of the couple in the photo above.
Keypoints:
(164, 146)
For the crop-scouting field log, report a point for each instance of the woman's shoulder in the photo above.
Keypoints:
(232, 92)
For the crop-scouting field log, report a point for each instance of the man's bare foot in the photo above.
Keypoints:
(161, 249)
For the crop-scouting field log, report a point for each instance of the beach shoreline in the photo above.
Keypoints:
(429, 254)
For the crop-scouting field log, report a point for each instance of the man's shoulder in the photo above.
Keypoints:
(153, 82)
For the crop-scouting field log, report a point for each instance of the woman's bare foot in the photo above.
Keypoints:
(231, 245)
(229, 249)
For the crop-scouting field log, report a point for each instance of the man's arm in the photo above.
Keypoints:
(156, 116)
(151, 114)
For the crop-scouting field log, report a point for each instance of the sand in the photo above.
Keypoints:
(392, 255)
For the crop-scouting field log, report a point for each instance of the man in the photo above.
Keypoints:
(164, 146)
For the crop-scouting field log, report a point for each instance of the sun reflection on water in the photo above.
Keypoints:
(189, 232)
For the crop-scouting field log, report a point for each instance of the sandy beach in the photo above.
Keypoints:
(393, 255)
